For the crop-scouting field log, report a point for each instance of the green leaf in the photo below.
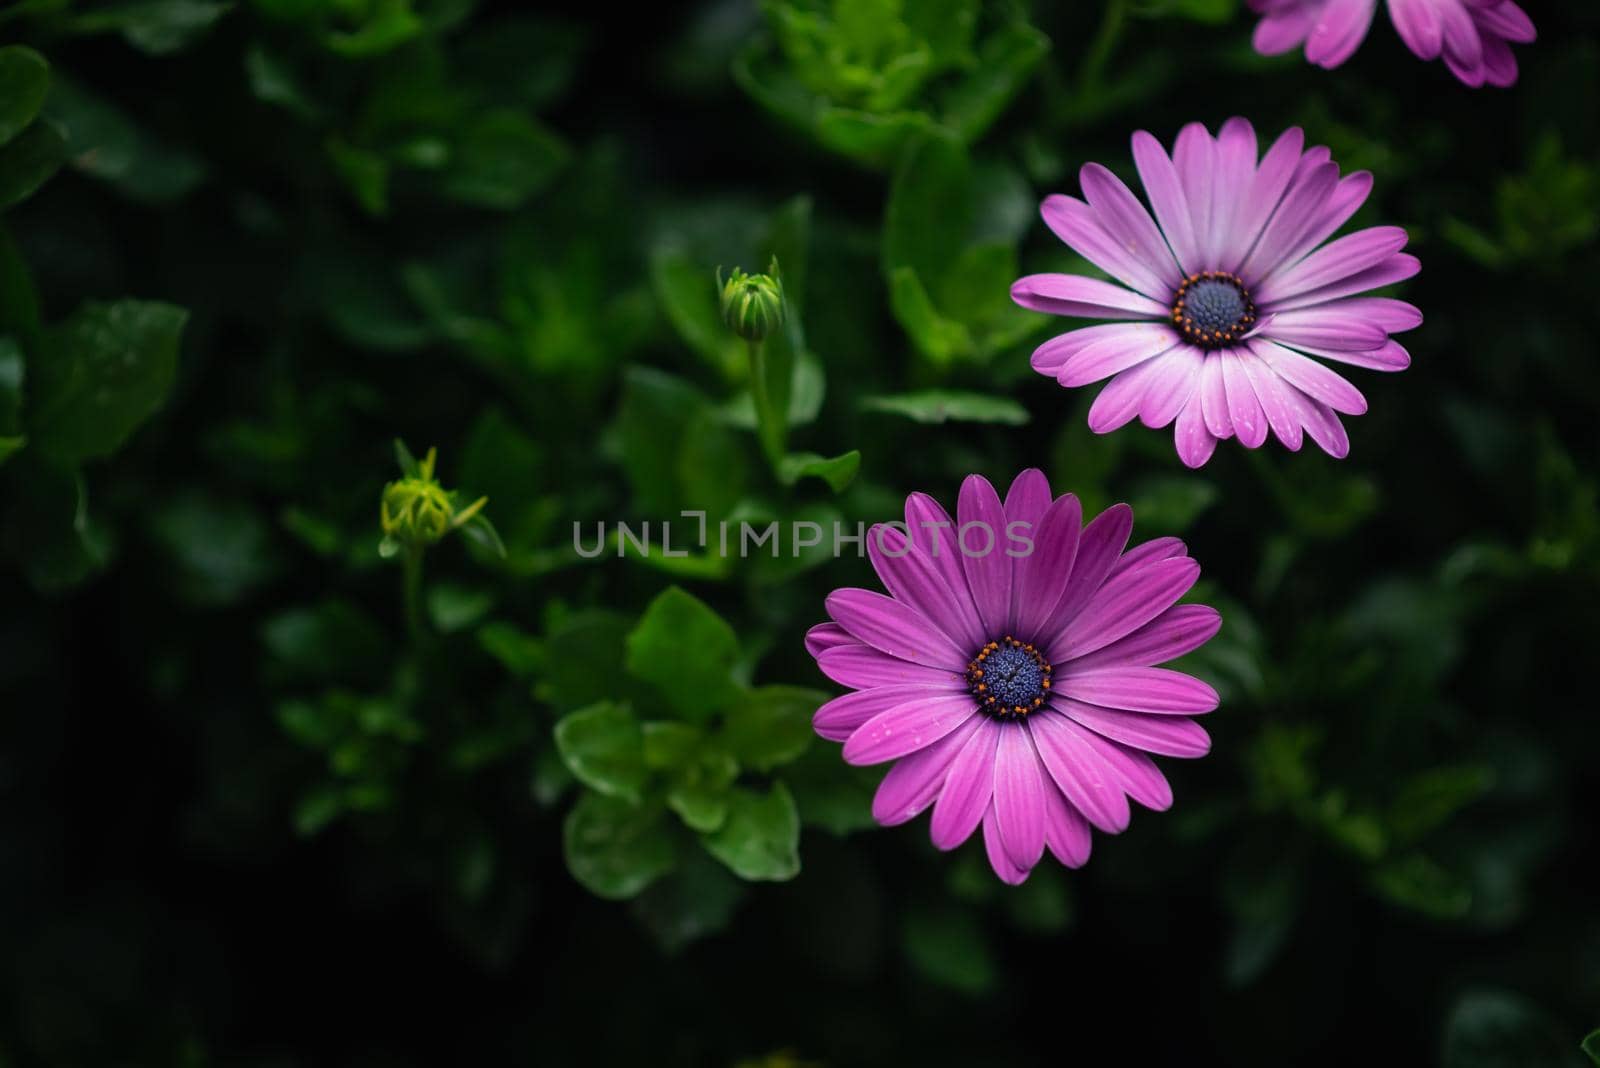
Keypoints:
(771, 725)
(670, 745)
(1500, 1029)
(687, 652)
(699, 793)
(1006, 59)
(24, 81)
(930, 206)
(28, 160)
(696, 900)
(940, 339)
(581, 666)
(12, 373)
(158, 27)
(836, 471)
(364, 173)
(1171, 504)
(949, 948)
(502, 158)
(655, 413)
(101, 374)
(517, 651)
(328, 641)
(106, 143)
(1591, 1046)
(49, 531)
(1418, 882)
(831, 794)
(604, 747)
(453, 608)
(761, 839)
(688, 296)
(220, 549)
(615, 848)
(19, 298)
(1428, 799)
(939, 406)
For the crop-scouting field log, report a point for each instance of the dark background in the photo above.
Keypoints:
(1425, 608)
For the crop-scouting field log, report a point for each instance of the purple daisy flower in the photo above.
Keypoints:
(1016, 688)
(1230, 289)
(1473, 36)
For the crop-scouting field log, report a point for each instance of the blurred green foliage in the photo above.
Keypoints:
(272, 798)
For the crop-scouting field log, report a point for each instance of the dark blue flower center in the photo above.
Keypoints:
(1009, 678)
(1213, 309)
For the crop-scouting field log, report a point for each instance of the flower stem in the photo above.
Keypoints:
(412, 592)
(768, 429)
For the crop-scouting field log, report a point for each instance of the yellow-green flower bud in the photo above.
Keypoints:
(752, 304)
(415, 511)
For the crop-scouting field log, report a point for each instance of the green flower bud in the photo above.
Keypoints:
(416, 511)
(752, 304)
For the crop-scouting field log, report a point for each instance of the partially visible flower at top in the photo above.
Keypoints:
(1010, 674)
(416, 511)
(752, 304)
(1473, 36)
(1231, 290)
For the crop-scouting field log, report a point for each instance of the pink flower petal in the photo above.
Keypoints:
(1165, 190)
(1310, 377)
(826, 636)
(1078, 224)
(1041, 577)
(1148, 689)
(1244, 408)
(915, 780)
(1194, 442)
(1266, 190)
(1019, 796)
(1078, 770)
(841, 717)
(1396, 268)
(1123, 605)
(896, 628)
(1177, 736)
(1085, 298)
(1099, 546)
(968, 788)
(1332, 263)
(994, 847)
(861, 667)
(1028, 498)
(982, 541)
(1066, 832)
(1111, 355)
(1125, 219)
(915, 578)
(908, 727)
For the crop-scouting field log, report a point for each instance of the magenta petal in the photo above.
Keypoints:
(1165, 190)
(1134, 771)
(1177, 736)
(1236, 168)
(1138, 689)
(1147, 553)
(1213, 397)
(1284, 29)
(1333, 262)
(968, 788)
(1085, 298)
(1322, 425)
(915, 780)
(1181, 629)
(1111, 355)
(1041, 577)
(1079, 226)
(982, 540)
(1066, 832)
(1506, 20)
(933, 532)
(1244, 408)
(826, 636)
(1417, 22)
(1126, 220)
(1310, 377)
(899, 630)
(1169, 385)
(908, 727)
(1123, 605)
(1050, 357)
(1328, 326)
(1295, 215)
(994, 847)
(1099, 546)
(1339, 32)
(1194, 442)
(918, 580)
(1122, 398)
(1396, 268)
(1273, 393)
(841, 717)
(861, 667)
(1078, 770)
(1271, 180)
(1194, 158)
(1028, 498)
(1019, 796)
